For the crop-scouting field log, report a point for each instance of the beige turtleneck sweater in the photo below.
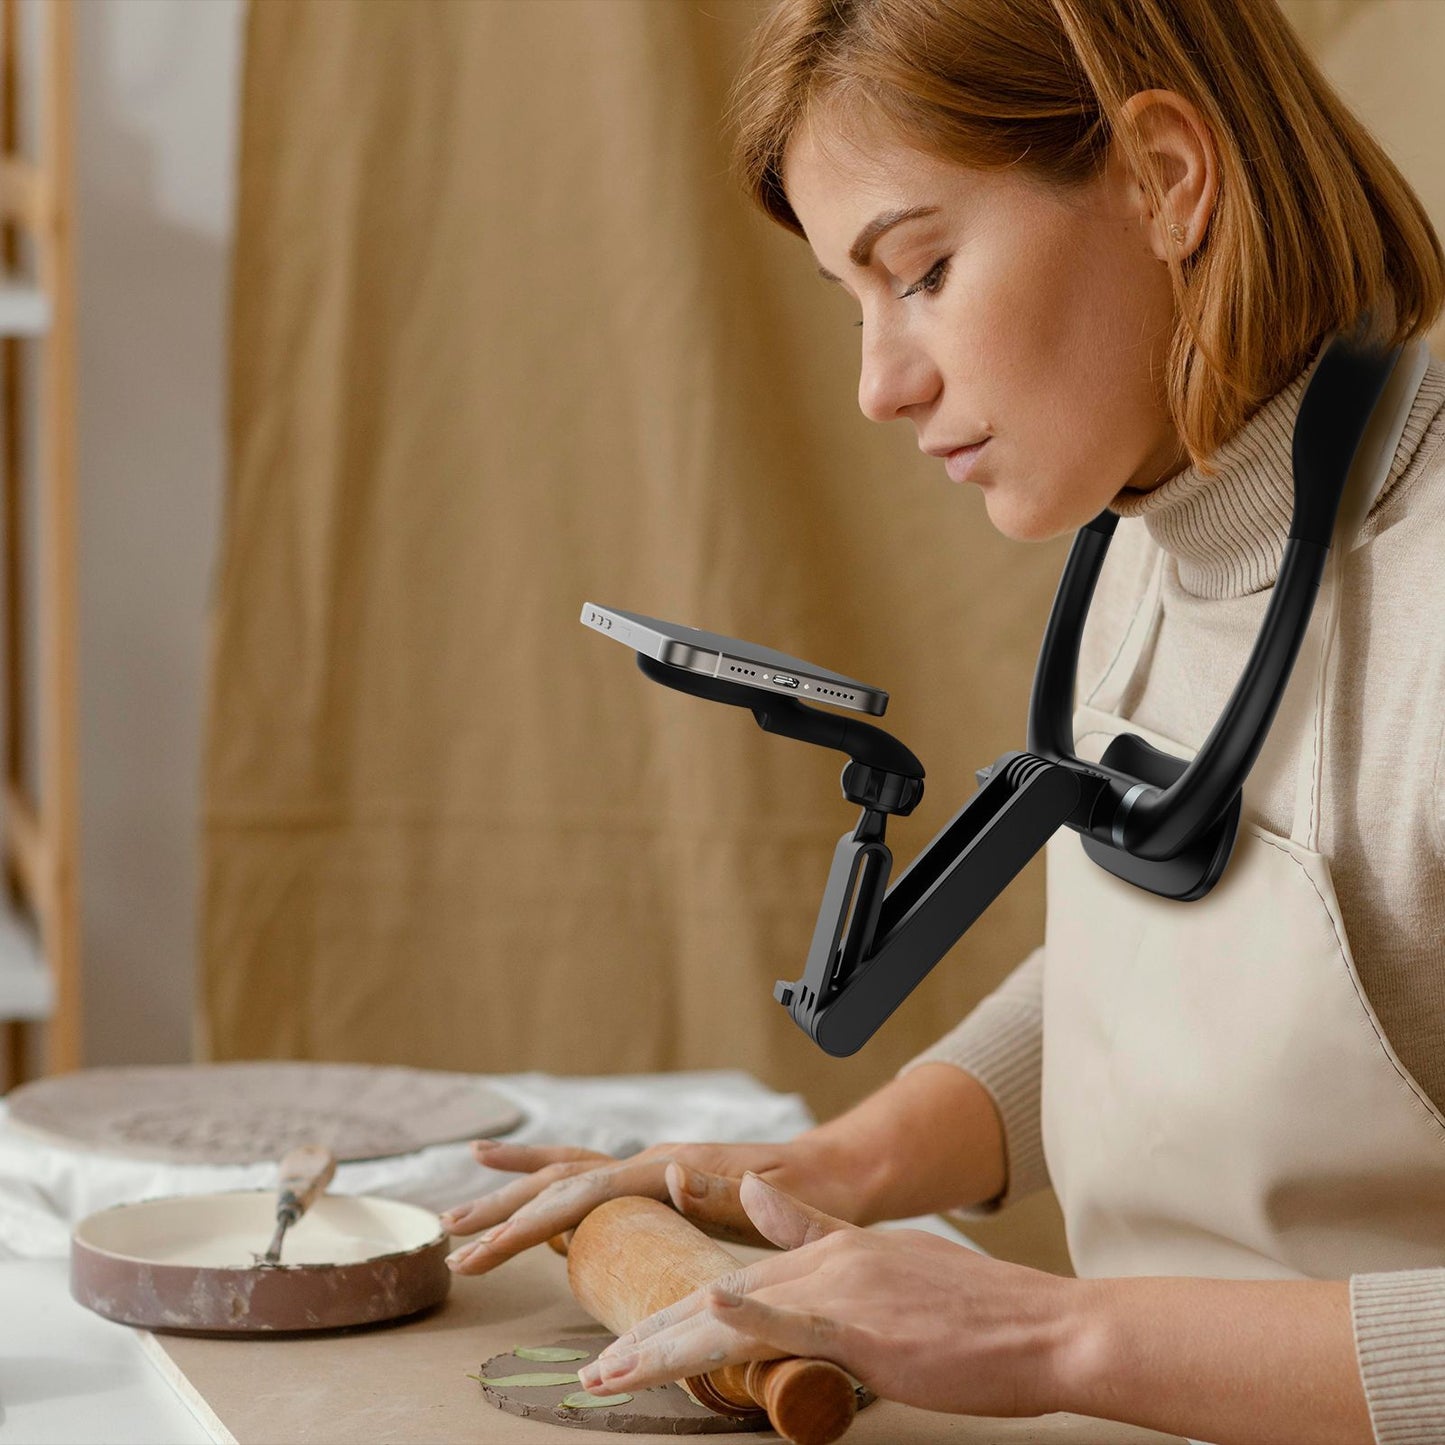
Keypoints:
(1384, 833)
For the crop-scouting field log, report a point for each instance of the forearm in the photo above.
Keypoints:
(1235, 1362)
(926, 1141)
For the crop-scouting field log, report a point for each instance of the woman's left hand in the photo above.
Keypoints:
(915, 1318)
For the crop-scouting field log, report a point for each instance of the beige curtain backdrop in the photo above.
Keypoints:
(504, 340)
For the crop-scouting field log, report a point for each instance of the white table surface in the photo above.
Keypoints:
(68, 1377)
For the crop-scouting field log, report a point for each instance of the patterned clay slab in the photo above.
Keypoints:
(658, 1410)
(661, 1410)
(249, 1112)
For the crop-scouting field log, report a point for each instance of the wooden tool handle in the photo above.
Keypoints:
(632, 1256)
(305, 1173)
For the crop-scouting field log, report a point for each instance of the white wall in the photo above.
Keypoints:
(155, 88)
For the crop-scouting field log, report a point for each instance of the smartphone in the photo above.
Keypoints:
(734, 661)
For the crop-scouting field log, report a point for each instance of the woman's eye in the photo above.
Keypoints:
(931, 282)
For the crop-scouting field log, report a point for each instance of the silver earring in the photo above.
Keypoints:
(1176, 232)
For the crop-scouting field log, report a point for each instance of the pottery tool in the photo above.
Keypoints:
(633, 1256)
(305, 1173)
(190, 1263)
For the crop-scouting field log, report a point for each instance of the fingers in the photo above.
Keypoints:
(692, 1347)
(685, 1309)
(494, 1208)
(732, 1330)
(541, 1163)
(525, 1158)
(784, 1331)
(559, 1206)
(711, 1201)
(782, 1219)
(766, 1273)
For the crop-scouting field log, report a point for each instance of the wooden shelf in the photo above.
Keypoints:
(39, 912)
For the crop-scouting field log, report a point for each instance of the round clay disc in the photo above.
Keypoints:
(661, 1410)
(249, 1112)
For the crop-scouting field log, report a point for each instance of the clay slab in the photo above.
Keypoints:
(663, 1410)
(246, 1113)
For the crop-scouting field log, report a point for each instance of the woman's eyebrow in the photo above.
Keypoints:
(861, 251)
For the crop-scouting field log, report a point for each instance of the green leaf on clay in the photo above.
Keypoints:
(523, 1382)
(583, 1401)
(549, 1352)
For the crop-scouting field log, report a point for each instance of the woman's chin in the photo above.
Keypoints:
(1033, 518)
(1026, 522)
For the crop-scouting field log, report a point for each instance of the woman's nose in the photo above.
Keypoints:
(894, 379)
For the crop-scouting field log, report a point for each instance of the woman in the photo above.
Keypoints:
(1097, 246)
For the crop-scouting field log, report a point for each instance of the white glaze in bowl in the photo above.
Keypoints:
(227, 1231)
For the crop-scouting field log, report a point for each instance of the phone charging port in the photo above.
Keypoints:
(783, 680)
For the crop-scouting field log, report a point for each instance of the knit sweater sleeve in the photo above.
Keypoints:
(1399, 1317)
(1001, 1044)
(1399, 1321)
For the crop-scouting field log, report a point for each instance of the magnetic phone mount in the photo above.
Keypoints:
(881, 776)
(1163, 823)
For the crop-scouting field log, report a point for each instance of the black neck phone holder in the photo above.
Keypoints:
(1160, 822)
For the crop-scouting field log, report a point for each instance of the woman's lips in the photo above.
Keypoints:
(959, 464)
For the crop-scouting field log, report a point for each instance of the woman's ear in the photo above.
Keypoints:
(1172, 137)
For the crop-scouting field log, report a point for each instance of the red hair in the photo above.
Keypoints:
(1313, 226)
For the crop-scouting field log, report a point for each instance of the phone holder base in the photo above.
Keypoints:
(1192, 872)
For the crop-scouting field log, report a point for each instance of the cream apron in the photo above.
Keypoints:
(1218, 1096)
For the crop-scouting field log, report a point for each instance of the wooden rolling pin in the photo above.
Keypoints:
(632, 1257)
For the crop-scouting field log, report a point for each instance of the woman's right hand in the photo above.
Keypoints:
(561, 1185)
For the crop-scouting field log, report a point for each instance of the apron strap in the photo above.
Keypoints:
(1317, 658)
